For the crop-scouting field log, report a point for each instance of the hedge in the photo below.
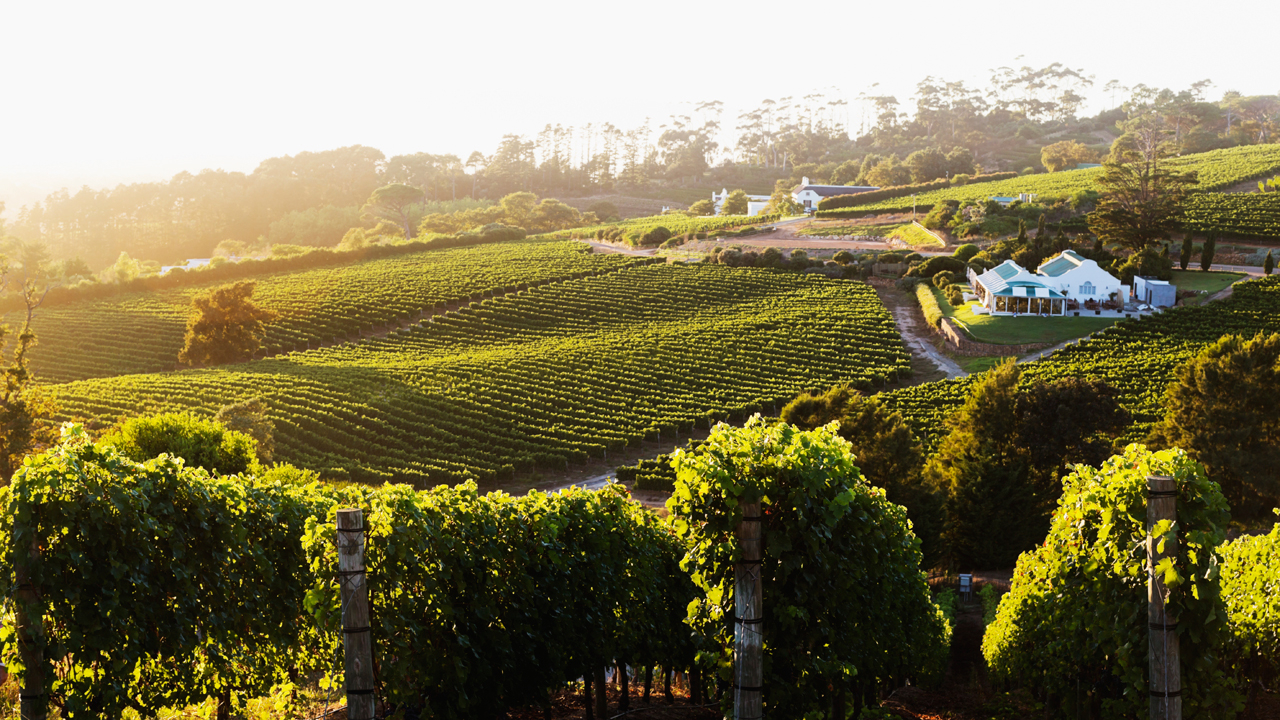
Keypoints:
(929, 304)
(871, 196)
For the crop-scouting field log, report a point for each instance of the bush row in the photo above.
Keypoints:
(872, 196)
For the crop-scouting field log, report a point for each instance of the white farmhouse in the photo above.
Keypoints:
(1079, 278)
(810, 195)
(1010, 289)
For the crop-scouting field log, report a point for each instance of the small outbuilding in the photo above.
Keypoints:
(1154, 292)
(810, 195)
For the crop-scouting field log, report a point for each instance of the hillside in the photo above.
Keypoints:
(143, 332)
(1217, 169)
(543, 377)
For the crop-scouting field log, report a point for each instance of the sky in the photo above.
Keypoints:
(101, 93)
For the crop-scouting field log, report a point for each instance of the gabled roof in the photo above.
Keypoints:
(1063, 263)
(998, 277)
(833, 190)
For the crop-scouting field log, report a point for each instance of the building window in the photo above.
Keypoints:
(1087, 289)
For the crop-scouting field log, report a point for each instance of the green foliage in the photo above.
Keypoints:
(554, 374)
(735, 204)
(1250, 575)
(531, 591)
(1206, 253)
(201, 443)
(937, 264)
(1077, 611)
(965, 252)
(844, 257)
(607, 211)
(1236, 214)
(1268, 265)
(1223, 410)
(702, 208)
(831, 542)
(955, 296)
(1188, 249)
(1147, 262)
(916, 236)
(877, 196)
(929, 304)
(1065, 155)
(159, 585)
(990, 598)
(250, 418)
(225, 325)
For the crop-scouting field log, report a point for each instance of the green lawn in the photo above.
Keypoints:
(1021, 330)
(974, 365)
(1199, 280)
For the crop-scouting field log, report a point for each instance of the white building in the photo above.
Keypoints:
(755, 203)
(1010, 289)
(810, 195)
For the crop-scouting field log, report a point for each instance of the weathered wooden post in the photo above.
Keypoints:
(33, 703)
(355, 615)
(748, 660)
(1162, 648)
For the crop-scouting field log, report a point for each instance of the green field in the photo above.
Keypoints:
(916, 236)
(1218, 169)
(1139, 357)
(1210, 282)
(142, 332)
(1004, 330)
(818, 230)
(543, 377)
(1238, 214)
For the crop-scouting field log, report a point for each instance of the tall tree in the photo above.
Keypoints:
(1188, 248)
(735, 204)
(225, 325)
(1207, 252)
(1142, 197)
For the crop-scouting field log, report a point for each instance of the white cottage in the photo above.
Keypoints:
(810, 195)
(755, 203)
(1010, 289)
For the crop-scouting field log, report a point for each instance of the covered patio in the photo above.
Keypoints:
(1028, 300)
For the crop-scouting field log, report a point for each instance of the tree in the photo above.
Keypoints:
(925, 165)
(1066, 155)
(225, 326)
(1224, 411)
(23, 405)
(886, 451)
(984, 474)
(781, 202)
(1268, 264)
(200, 442)
(1142, 199)
(250, 417)
(1206, 253)
(702, 208)
(391, 202)
(1188, 249)
(606, 211)
(517, 208)
(735, 203)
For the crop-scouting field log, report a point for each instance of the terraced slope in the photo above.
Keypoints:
(143, 332)
(543, 377)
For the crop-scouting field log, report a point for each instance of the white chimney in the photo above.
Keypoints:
(804, 181)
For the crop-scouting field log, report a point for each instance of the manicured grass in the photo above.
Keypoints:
(973, 365)
(916, 236)
(1025, 329)
(1200, 280)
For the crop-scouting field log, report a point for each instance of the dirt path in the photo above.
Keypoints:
(906, 320)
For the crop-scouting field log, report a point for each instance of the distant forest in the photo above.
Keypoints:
(312, 198)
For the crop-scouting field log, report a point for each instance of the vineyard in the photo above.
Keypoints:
(1218, 170)
(542, 377)
(677, 224)
(142, 332)
(1139, 357)
(1240, 214)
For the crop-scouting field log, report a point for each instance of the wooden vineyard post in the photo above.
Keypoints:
(355, 615)
(748, 651)
(33, 703)
(1162, 648)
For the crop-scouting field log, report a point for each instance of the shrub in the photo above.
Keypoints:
(655, 237)
(965, 252)
(955, 296)
(935, 265)
(1251, 591)
(914, 257)
(1089, 577)
(961, 179)
(929, 304)
(843, 257)
(605, 211)
(201, 443)
(834, 543)
(907, 284)
(944, 278)
(890, 258)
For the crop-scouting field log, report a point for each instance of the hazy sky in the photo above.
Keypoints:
(105, 92)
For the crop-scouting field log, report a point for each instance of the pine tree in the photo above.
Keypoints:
(1206, 254)
(1188, 247)
(1022, 232)
(1269, 264)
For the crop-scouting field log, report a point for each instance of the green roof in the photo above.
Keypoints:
(1065, 262)
(1004, 271)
